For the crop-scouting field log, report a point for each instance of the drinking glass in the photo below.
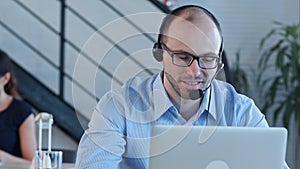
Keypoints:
(48, 159)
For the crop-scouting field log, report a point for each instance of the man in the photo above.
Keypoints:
(189, 47)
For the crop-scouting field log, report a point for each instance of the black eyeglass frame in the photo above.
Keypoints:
(171, 53)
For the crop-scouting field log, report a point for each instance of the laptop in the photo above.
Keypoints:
(198, 147)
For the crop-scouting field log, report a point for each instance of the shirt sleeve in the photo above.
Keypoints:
(21, 111)
(286, 166)
(96, 148)
(249, 114)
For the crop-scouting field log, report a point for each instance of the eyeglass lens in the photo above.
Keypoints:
(185, 59)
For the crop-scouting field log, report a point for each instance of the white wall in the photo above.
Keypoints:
(244, 23)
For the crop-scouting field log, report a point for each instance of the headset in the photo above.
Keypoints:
(157, 49)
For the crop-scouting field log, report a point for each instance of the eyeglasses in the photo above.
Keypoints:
(184, 59)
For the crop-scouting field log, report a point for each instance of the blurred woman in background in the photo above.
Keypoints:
(17, 129)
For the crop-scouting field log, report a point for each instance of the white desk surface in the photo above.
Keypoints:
(27, 165)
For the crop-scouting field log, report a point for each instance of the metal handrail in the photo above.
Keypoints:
(35, 50)
(106, 37)
(64, 40)
(37, 17)
(62, 48)
(127, 19)
(28, 44)
(61, 68)
(160, 6)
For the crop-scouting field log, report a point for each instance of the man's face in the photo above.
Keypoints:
(200, 39)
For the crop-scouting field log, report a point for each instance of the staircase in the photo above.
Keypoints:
(68, 53)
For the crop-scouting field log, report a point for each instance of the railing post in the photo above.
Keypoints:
(62, 49)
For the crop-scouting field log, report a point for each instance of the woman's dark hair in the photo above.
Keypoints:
(6, 66)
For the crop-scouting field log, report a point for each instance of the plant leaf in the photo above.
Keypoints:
(281, 92)
(262, 42)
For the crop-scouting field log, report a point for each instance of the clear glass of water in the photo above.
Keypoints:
(48, 159)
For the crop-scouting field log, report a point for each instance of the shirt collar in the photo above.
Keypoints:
(161, 99)
(217, 99)
(209, 103)
(205, 104)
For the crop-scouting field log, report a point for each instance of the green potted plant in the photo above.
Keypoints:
(280, 50)
(239, 76)
(281, 90)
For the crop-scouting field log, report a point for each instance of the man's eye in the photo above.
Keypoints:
(208, 59)
(182, 56)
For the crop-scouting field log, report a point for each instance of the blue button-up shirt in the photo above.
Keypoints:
(119, 131)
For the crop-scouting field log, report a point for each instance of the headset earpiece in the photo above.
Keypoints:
(220, 66)
(157, 52)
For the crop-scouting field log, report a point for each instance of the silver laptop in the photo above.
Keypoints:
(196, 147)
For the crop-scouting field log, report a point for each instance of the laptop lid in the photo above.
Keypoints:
(191, 147)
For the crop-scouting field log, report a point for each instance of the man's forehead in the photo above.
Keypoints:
(198, 23)
(194, 32)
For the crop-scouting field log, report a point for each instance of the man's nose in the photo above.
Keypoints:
(195, 68)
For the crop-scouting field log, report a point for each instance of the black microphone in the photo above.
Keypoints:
(196, 94)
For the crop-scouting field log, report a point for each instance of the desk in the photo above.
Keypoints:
(27, 165)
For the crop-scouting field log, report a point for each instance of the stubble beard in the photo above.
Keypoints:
(182, 93)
